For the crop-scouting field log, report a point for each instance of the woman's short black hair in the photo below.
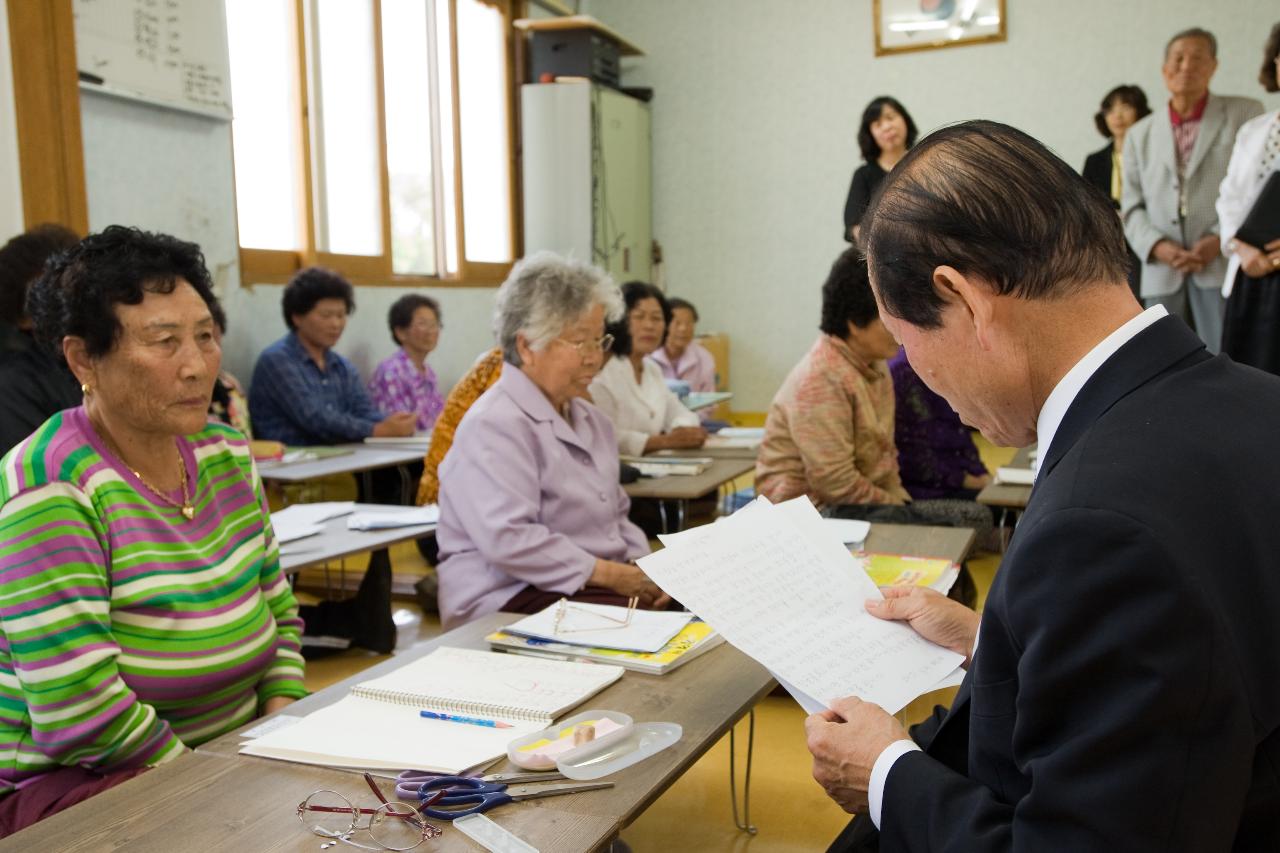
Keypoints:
(676, 302)
(22, 260)
(80, 287)
(632, 293)
(402, 310)
(309, 286)
(867, 142)
(1267, 77)
(1126, 94)
(847, 296)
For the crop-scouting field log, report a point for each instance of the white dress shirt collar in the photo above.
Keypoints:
(1064, 393)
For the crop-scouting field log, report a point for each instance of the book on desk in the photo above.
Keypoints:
(665, 466)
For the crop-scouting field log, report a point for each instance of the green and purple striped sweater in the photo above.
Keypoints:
(128, 632)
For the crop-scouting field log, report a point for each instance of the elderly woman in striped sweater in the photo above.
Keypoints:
(142, 606)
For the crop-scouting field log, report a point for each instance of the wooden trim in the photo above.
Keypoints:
(484, 272)
(302, 132)
(515, 196)
(460, 233)
(380, 106)
(268, 265)
(47, 107)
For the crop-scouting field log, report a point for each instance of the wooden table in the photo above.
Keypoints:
(358, 459)
(337, 540)
(683, 489)
(1010, 498)
(216, 799)
(713, 452)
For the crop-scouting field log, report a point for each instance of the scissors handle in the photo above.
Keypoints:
(483, 801)
(458, 789)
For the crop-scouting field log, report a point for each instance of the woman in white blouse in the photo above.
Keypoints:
(1251, 327)
(630, 389)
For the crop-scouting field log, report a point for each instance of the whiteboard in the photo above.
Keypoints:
(169, 52)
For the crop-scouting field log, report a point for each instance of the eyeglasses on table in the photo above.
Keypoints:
(589, 620)
(392, 825)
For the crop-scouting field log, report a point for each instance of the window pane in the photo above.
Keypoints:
(486, 169)
(406, 61)
(266, 131)
(448, 193)
(348, 195)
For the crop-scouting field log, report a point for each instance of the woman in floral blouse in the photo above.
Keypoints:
(405, 382)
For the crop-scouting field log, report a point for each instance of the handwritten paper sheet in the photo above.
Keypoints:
(783, 589)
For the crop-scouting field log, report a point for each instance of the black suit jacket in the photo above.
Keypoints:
(1125, 695)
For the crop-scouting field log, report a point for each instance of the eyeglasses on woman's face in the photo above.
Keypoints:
(587, 349)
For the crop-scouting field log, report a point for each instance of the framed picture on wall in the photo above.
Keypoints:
(906, 25)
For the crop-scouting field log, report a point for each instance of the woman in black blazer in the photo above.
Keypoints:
(1121, 108)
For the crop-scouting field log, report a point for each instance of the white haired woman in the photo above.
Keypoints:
(530, 505)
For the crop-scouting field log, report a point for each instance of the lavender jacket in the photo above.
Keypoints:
(528, 499)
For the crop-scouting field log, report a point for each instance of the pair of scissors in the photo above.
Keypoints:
(410, 782)
(461, 791)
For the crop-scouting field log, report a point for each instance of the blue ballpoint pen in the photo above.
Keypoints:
(473, 721)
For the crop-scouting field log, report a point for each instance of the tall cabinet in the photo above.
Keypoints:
(587, 175)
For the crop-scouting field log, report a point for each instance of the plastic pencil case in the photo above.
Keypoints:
(600, 757)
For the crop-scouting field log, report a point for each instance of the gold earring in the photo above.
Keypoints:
(86, 389)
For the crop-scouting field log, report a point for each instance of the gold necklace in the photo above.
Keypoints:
(187, 508)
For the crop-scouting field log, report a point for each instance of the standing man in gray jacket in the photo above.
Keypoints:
(1174, 160)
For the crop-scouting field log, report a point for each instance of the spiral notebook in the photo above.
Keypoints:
(378, 725)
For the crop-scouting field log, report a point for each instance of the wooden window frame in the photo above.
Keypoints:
(46, 98)
(274, 266)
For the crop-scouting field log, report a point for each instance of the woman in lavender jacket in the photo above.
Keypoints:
(530, 505)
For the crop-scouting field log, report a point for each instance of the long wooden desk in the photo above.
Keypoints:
(1009, 495)
(359, 459)
(215, 799)
(683, 489)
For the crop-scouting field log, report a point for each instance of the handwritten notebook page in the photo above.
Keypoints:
(791, 597)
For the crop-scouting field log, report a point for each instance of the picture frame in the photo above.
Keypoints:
(904, 26)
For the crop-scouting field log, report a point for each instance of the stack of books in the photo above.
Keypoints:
(652, 642)
(663, 466)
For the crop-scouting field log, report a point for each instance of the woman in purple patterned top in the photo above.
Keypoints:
(936, 454)
(405, 382)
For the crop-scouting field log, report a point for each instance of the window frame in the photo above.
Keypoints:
(270, 266)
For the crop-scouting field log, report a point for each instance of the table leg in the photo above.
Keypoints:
(745, 824)
(681, 505)
(662, 515)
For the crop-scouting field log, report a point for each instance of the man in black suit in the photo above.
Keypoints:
(1123, 693)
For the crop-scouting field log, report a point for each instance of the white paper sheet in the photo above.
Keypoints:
(429, 514)
(782, 589)
(850, 530)
(1016, 476)
(649, 631)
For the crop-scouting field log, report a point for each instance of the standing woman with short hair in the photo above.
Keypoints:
(1251, 327)
(1122, 107)
(884, 135)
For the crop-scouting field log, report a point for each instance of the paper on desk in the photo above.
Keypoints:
(302, 520)
(279, 721)
(429, 514)
(1016, 476)
(780, 587)
(850, 530)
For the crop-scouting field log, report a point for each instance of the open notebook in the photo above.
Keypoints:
(378, 724)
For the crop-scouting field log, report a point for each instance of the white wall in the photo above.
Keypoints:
(756, 109)
(11, 221)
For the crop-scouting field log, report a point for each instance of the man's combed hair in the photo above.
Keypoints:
(996, 204)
